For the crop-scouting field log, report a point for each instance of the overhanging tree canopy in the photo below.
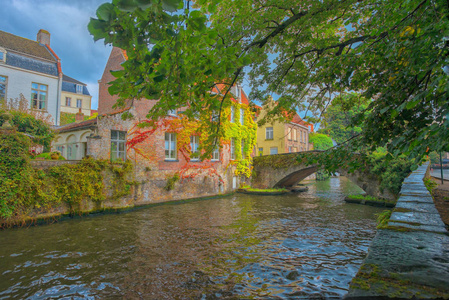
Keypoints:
(305, 51)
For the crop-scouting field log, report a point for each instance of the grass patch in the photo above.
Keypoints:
(250, 189)
(364, 197)
(383, 218)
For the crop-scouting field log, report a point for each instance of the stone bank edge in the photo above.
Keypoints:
(411, 257)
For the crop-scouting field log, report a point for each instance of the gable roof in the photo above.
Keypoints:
(69, 85)
(25, 46)
(72, 80)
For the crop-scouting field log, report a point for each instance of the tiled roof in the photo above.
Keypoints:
(32, 64)
(77, 126)
(22, 45)
(69, 85)
(72, 80)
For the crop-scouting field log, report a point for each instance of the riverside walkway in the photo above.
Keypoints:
(410, 258)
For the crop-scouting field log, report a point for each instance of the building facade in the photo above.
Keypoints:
(164, 150)
(75, 97)
(32, 69)
(282, 137)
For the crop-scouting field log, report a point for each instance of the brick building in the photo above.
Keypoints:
(161, 152)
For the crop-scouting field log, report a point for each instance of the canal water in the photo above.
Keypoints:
(275, 247)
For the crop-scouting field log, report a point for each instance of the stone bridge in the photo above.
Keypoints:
(284, 170)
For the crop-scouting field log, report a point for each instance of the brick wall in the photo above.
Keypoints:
(150, 168)
(106, 100)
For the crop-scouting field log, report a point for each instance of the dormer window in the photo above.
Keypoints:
(79, 89)
(2, 55)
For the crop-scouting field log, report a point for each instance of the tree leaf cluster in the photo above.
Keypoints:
(307, 52)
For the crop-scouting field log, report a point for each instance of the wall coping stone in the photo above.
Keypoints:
(411, 257)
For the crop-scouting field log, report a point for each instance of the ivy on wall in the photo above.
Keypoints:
(24, 189)
(185, 128)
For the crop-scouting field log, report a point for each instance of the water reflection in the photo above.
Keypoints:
(241, 246)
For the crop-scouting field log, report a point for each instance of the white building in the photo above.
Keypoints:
(31, 68)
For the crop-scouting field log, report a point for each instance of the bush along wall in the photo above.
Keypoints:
(26, 192)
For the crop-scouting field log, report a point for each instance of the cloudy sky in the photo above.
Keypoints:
(66, 20)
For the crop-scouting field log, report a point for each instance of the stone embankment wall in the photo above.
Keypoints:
(410, 258)
(137, 188)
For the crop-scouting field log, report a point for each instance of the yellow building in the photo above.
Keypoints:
(75, 96)
(283, 137)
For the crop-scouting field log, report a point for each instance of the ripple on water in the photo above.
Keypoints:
(296, 246)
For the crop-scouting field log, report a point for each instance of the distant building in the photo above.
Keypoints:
(75, 96)
(33, 69)
(282, 137)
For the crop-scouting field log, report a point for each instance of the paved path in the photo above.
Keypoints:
(411, 257)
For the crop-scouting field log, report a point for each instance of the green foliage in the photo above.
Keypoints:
(73, 183)
(430, 184)
(394, 52)
(338, 118)
(40, 131)
(171, 182)
(120, 185)
(50, 155)
(390, 170)
(364, 197)
(13, 166)
(24, 189)
(320, 141)
(434, 157)
(67, 118)
(250, 189)
(383, 218)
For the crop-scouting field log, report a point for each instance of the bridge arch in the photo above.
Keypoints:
(284, 170)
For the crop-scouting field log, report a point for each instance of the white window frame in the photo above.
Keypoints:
(2, 55)
(5, 83)
(269, 135)
(38, 91)
(290, 149)
(232, 114)
(295, 135)
(232, 148)
(289, 134)
(170, 146)
(69, 102)
(79, 89)
(272, 152)
(194, 146)
(79, 103)
(172, 112)
(216, 154)
(242, 116)
(118, 138)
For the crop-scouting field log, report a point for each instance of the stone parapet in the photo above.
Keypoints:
(411, 257)
(46, 164)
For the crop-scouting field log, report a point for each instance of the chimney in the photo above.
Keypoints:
(43, 37)
(79, 117)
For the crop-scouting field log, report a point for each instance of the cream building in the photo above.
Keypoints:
(75, 96)
(282, 137)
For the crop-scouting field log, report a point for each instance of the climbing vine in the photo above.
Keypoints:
(185, 128)
(24, 189)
